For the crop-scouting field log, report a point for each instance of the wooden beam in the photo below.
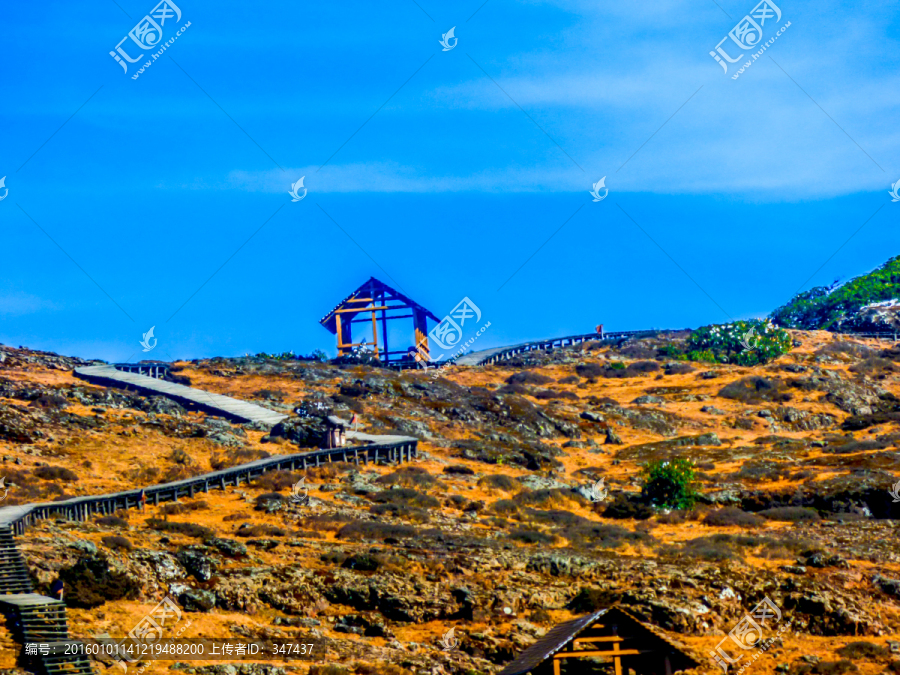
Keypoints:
(360, 310)
(611, 638)
(592, 652)
(555, 667)
(389, 318)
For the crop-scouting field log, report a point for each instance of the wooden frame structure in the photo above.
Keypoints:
(611, 633)
(384, 304)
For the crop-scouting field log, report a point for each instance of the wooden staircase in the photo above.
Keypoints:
(35, 619)
(13, 573)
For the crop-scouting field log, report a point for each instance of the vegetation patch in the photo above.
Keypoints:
(731, 516)
(187, 529)
(55, 473)
(791, 514)
(745, 343)
(756, 389)
(670, 484)
(367, 529)
(90, 583)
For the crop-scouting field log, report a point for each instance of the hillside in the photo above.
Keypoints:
(844, 307)
(492, 531)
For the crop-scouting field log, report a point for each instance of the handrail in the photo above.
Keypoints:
(391, 448)
(492, 356)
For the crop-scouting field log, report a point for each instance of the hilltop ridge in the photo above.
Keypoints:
(796, 459)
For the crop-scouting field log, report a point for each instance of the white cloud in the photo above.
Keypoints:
(20, 304)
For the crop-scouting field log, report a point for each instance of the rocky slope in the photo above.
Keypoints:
(493, 531)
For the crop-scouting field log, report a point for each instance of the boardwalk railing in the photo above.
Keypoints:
(489, 356)
(391, 449)
(20, 605)
(155, 370)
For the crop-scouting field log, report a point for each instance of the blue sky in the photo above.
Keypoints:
(163, 200)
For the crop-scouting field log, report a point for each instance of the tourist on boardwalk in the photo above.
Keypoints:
(56, 589)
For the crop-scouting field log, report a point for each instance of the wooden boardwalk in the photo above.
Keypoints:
(488, 356)
(215, 404)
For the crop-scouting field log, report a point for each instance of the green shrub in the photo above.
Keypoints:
(703, 356)
(670, 484)
(824, 308)
(746, 343)
(617, 365)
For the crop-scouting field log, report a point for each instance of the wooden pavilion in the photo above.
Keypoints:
(612, 634)
(384, 304)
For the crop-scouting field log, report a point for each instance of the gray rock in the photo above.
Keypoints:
(229, 547)
(83, 545)
(889, 586)
(649, 399)
(793, 569)
(200, 566)
(264, 544)
(592, 416)
(712, 410)
(307, 432)
(193, 599)
(612, 438)
(165, 566)
(533, 482)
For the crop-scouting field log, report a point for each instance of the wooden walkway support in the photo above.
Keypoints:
(214, 404)
(156, 370)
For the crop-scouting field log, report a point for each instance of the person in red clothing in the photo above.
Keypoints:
(599, 330)
(143, 499)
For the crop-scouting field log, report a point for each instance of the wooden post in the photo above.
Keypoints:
(375, 332)
(384, 330)
(617, 660)
(420, 322)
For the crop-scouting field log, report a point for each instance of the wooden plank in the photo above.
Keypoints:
(592, 652)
